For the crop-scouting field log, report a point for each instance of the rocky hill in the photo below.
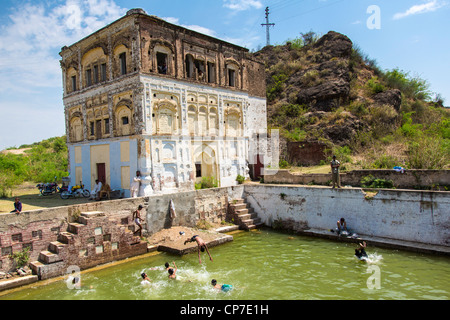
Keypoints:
(325, 91)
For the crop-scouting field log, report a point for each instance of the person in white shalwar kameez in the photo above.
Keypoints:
(135, 185)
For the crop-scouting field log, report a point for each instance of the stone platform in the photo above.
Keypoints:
(172, 240)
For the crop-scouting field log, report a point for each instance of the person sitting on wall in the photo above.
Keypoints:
(96, 190)
(17, 206)
(201, 246)
(105, 191)
(341, 227)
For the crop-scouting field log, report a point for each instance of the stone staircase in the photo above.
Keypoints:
(244, 216)
(79, 244)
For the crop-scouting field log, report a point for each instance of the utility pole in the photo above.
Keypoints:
(267, 24)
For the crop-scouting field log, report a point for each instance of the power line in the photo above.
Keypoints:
(314, 9)
(267, 24)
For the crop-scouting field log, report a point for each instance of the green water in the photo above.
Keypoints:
(264, 265)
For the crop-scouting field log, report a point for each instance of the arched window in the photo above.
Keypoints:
(232, 73)
(166, 117)
(163, 57)
(93, 66)
(76, 129)
(122, 61)
(233, 122)
(123, 120)
(72, 80)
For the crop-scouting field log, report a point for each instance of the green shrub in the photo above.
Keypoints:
(283, 164)
(375, 86)
(21, 257)
(372, 182)
(206, 183)
(412, 87)
(240, 179)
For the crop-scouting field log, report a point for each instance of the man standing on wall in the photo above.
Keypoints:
(335, 164)
(136, 185)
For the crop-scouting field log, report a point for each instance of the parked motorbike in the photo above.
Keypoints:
(48, 188)
(75, 192)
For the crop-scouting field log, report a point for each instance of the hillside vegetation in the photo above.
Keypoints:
(325, 89)
(40, 162)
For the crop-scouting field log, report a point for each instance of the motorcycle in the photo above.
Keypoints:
(48, 188)
(75, 192)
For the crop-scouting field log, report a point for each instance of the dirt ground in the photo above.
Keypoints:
(31, 199)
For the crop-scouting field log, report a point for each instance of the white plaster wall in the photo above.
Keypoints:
(420, 216)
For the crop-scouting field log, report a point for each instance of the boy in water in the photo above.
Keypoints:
(224, 287)
(172, 271)
(201, 246)
(360, 252)
(145, 279)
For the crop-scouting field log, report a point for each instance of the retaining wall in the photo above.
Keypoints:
(38, 228)
(410, 179)
(418, 216)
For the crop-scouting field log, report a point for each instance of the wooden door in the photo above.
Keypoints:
(101, 172)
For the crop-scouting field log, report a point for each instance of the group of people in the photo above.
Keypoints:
(172, 271)
(100, 190)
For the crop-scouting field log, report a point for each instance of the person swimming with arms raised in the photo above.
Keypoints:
(172, 271)
(201, 246)
(360, 252)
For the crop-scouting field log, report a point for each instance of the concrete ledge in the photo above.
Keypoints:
(227, 229)
(17, 282)
(220, 239)
(380, 242)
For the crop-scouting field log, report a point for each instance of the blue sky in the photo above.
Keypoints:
(412, 35)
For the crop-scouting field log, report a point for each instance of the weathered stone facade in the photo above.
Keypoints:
(144, 94)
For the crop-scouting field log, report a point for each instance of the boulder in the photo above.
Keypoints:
(391, 97)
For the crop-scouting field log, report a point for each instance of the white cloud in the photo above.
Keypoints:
(240, 5)
(194, 27)
(420, 8)
(30, 73)
(31, 41)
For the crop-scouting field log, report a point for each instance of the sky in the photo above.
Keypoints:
(412, 35)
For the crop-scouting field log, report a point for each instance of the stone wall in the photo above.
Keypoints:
(39, 229)
(419, 216)
(409, 179)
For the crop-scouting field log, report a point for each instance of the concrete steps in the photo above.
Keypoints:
(244, 215)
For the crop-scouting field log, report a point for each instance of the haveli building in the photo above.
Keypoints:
(144, 94)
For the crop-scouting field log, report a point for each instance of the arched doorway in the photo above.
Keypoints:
(205, 162)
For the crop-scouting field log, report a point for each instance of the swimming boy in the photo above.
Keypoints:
(360, 252)
(224, 287)
(172, 271)
(145, 278)
(201, 246)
